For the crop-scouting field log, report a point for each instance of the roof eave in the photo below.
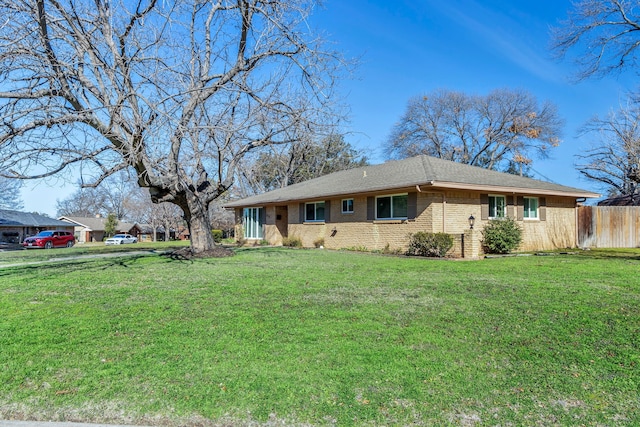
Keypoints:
(508, 189)
(432, 185)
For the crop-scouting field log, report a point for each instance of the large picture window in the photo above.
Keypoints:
(530, 208)
(392, 207)
(314, 211)
(252, 223)
(497, 207)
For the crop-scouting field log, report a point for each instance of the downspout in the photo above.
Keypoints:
(576, 219)
(444, 212)
(576, 236)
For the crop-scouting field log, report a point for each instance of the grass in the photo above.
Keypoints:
(39, 255)
(289, 337)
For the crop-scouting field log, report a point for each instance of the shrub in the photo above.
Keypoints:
(429, 244)
(293, 242)
(217, 235)
(388, 251)
(357, 249)
(319, 243)
(501, 236)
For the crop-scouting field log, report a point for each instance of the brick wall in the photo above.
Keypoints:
(445, 211)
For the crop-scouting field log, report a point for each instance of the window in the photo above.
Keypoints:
(347, 205)
(497, 207)
(530, 208)
(314, 211)
(392, 207)
(252, 223)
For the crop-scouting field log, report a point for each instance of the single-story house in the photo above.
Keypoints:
(91, 229)
(378, 207)
(628, 200)
(15, 226)
(146, 233)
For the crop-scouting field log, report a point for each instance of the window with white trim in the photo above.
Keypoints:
(252, 223)
(347, 206)
(314, 211)
(497, 207)
(392, 207)
(530, 208)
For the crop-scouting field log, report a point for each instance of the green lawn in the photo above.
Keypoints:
(289, 337)
(80, 249)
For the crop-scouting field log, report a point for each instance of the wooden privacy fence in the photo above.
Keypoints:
(609, 226)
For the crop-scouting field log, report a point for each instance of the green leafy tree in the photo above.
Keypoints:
(111, 225)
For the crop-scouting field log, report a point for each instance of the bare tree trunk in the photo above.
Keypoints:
(167, 227)
(196, 214)
(201, 236)
(183, 119)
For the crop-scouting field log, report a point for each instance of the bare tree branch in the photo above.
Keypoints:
(602, 36)
(495, 131)
(614, 162)
(108, 86)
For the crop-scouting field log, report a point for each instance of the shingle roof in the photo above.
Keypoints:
(95, 223)
(148, 228)
(27, 219)
(423, 171)
(629, 200)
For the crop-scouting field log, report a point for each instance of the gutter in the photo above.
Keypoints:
(514, 190)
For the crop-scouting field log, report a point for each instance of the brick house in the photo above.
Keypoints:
(91, 229)
(378, 207)
(15, 226)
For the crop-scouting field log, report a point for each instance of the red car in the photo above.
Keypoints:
(50, 239)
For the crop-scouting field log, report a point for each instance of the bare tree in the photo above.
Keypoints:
(111, 196)
(10, 197)
(604, 34)
(614, 162)
(176, 91)
(279, 166)
(142, 210)
(495, 131)
(84, 202)
(222, 219)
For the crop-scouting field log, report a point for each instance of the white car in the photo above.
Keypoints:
(121, 239)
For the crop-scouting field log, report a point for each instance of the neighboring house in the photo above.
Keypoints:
(629, 200)
(182, 233)
(378, 207)
(146, 233)
(91, 229)
(15, 226)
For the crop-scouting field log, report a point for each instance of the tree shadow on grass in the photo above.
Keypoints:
(62, 268)
(632, 254)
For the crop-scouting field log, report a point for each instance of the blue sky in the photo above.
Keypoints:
(410, 47)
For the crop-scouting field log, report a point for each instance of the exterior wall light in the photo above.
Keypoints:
(472, 221)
